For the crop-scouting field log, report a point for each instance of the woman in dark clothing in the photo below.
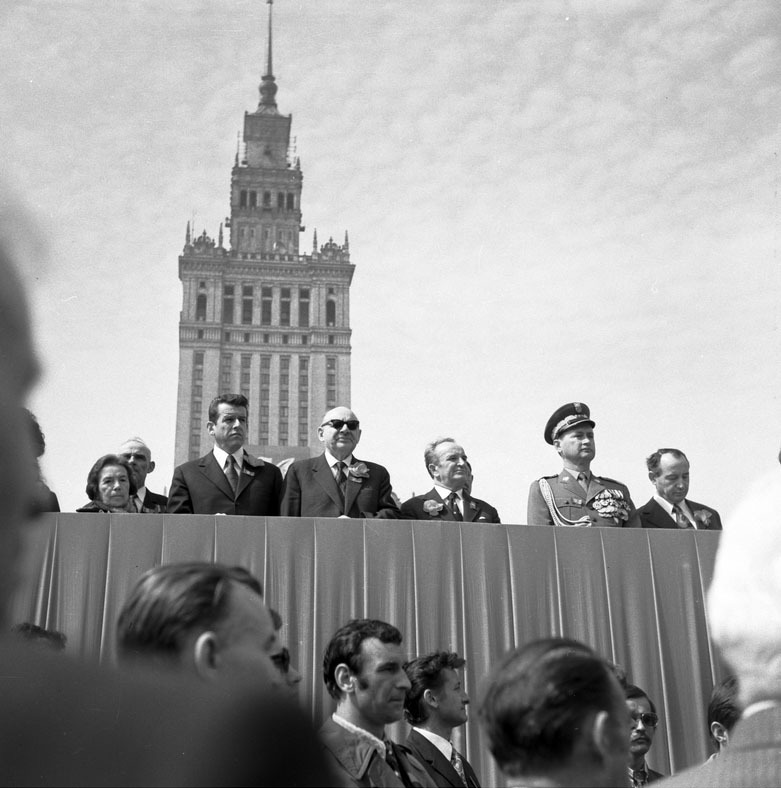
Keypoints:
(110, 486)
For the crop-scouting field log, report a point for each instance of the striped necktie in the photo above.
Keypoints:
(681, 520)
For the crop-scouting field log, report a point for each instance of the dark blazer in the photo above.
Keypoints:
(475, 510)
(155, 502)
(310, 490)
(654, 516)
(200, 487)
(439, 768)
(753, 757)
(574, 503)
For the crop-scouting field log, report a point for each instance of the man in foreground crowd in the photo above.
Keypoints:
(202, 618)
(450, 498)
(337, 484)
(139, 457)
(436, 704)
(668, 470)
(555, 715)
(363, 671)
(228, 480)
(66, 723)
(745, 623)
(576, 497)
(643, 722)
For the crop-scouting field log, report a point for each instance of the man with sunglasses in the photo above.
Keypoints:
(337, 484)
(643, 722)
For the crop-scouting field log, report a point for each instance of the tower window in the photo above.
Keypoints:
(246, 304)
(200, 307)
(330, 313)
(243, 199)
(266, 199)
(280, 200)
(284, 307)
(265, 306)
(291, 201)
(253, 199)
(303, 307)
(227, 304)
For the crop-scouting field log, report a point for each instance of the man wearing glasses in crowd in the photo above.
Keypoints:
(337, 484)
(643, 719)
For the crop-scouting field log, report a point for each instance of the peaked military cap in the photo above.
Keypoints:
(565, 418)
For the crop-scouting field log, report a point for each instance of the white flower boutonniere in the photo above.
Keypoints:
(358, 472)
(433, 508)
(703, 518)
(612, 505)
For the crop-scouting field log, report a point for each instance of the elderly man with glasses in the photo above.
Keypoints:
(643, 720)
(337, 484)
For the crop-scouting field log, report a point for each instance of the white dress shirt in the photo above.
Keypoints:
(443, 745)
(444, 493)
(668, 507)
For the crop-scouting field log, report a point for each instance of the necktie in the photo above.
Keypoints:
(583, 481)
(341, 478)
(458, 765)
(135, 502)
(230, 473)
(681, 520)
(452, 502)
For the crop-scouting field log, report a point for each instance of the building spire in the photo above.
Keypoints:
(268, 86)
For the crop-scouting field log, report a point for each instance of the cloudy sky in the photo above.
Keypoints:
(547, 201)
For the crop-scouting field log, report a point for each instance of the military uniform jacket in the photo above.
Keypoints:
(573, 502)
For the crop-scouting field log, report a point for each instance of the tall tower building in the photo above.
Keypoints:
(258, 317)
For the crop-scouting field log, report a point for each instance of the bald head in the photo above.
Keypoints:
(139, 457)
(339, 432)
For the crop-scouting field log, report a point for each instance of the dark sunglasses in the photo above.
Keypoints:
(337, 424)
(648, 718)
(282, 660)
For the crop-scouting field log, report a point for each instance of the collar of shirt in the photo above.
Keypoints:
(760, 705)
(668, 507)
(377, 744)
(221, 456)
(331, 460)
(574, 473)
(443, 745)
(141, 494)
(444, 493)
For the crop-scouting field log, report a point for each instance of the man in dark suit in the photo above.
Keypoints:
(450, 498)
(744, 618)
(643, 721)
(435, 704)
(337, 484)
(577, 497)
(139, 457)
(668, 470)
(227, 480)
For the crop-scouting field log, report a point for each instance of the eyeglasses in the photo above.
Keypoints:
(282, 660)
(648, 718)
(337, 424)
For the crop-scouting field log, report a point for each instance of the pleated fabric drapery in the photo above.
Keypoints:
(636, 596)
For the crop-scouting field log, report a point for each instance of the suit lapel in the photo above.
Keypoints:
(323, 476)
(660, 516)
(353, 488)
(572, 486)
(444, 512)
(595, 486)
(248, 471)
(211, 469)
(471, 509)
(436, 760)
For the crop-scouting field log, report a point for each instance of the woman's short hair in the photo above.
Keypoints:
(93, 477)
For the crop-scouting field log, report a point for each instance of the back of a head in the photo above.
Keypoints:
(743, 609)
(723, 706)
(539, 703)
(345, 647)
(171, 602)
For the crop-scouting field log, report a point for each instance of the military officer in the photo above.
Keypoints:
(576, 497)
